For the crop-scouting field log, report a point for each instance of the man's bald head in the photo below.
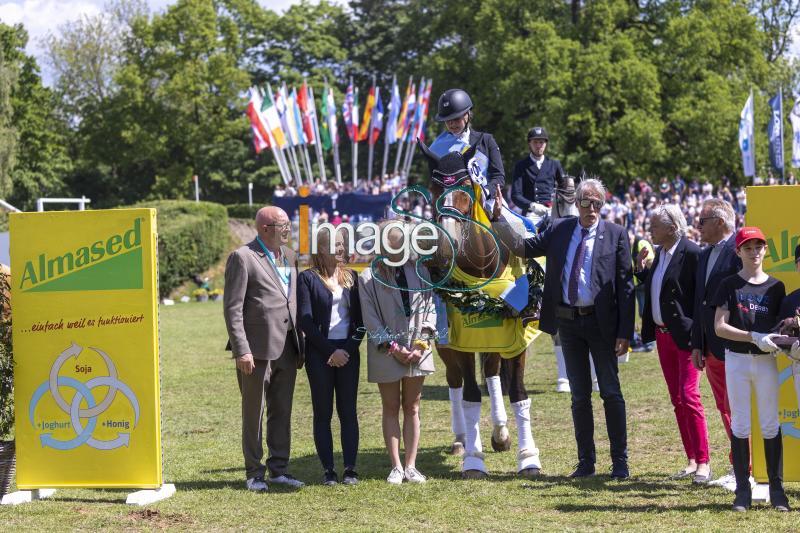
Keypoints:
(270, 215)
(272, 225)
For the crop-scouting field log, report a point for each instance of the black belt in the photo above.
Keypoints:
(574, 310)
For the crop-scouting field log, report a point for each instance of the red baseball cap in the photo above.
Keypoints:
(748, 233)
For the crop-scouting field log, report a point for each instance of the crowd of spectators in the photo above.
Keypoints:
(629, 205)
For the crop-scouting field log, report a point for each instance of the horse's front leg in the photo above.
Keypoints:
(455, 384)
(528, 463)
(473, 466)
(501, 440)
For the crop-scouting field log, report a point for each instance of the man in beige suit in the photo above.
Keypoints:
(260, 309)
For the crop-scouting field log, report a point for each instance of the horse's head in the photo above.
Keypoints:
(565, 204)
(450, 170)
(453, 196)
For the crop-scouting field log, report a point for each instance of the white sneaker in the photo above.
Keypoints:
(562, 385)
(414, 476)
(725, 481)
(257, 484)
(289, 481)
(396, 476)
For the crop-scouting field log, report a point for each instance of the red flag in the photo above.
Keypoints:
(305, 111)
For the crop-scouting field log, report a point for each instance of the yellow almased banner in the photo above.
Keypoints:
(773, 210)
(86, 377)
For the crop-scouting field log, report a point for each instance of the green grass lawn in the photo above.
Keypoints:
(202, 456)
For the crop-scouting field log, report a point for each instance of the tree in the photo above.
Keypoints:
(9, 74)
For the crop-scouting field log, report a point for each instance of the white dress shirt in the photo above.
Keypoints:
(665, 256)
(585, 297)
(538, 161)
(712, 258)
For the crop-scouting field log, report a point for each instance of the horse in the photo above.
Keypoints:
(478, 259)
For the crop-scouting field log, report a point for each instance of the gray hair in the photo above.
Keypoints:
(722, 209)
(671, 215)
(591, 184)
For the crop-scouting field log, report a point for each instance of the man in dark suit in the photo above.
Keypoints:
(717, 224)
(534, 180)
(455, 110)
(669, 284)
(260, 307)
(588, 299)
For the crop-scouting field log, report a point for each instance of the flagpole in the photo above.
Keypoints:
(307, 162)
(318, 143)
(293, 156)
(783, 154)
(370, 145)
(276, 153)
(385, 155)
(354, 137)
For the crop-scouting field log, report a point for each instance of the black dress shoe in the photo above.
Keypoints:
(583, 469)
(619, 470)
(330, 478)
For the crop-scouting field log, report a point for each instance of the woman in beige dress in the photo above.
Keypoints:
(401, 327)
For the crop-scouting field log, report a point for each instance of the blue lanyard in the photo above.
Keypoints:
(285, 279)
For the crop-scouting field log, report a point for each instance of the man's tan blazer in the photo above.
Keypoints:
(258, 312)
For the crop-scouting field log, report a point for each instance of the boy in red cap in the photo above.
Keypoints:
(747, 310)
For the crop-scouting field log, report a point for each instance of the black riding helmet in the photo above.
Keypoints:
(452, 104)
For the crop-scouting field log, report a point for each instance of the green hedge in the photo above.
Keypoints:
(242, 210)
(192, 236)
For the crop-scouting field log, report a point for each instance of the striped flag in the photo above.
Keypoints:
(423, 115)
(401, 119)
(350, 113)
(287, 116)
(362, 134)
(394, 112)
(307, 112)
(325, 129)
(377, 118)
(414, 112)
(409, 118)
(260, 133)
(269, 112)
(298, 117)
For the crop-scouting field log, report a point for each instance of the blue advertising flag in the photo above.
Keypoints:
(775, 131)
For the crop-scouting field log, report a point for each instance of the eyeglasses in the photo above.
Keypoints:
(281, 227)
(586, 203)
(701, 221)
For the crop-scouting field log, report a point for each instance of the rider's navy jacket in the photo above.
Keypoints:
(533, 184)
(486, 144)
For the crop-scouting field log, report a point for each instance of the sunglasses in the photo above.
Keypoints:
(701, 221)
(586, 203)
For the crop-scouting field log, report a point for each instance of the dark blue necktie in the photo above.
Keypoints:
(575, 273)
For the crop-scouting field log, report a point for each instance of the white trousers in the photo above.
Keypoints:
(743, 374)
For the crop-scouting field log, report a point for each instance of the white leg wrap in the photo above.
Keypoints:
(498, 408)
(473, 449)
(561, 366)
(457, 411)
(528, 456)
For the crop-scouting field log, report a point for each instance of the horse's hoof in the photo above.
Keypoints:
(474, 474)
(501, 440)
(457, 449)
(530, 473)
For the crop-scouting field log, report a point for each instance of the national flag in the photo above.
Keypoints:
(269, 113)
(350, 112)
(775, 131)
(409, 118)
(794, 117)
(426, 96)
(747, 138)
(401, 118)
(417, 115)
(287, 115)
(307, 112)
(260, 133)
(298, 117)
(325, 128)
(377, 118)
(394, 112)
(362, 134)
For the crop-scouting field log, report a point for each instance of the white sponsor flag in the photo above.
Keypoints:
(794, 116)
(746, 138)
